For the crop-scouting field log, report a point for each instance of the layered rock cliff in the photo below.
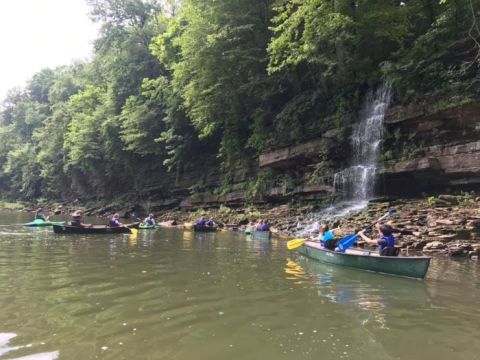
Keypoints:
(426, 149)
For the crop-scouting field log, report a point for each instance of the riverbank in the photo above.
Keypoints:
(447, 225)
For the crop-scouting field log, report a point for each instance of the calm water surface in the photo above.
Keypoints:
(171, 294)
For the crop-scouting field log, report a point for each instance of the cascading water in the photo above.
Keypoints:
(356, 184)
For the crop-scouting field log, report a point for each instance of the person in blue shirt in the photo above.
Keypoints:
(386, 242)
(210, 222)
(115, 221)
(326, 237)
(202, 221)
(149, 220)
(265, 226)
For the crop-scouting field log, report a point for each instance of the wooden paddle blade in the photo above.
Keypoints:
(295, 243)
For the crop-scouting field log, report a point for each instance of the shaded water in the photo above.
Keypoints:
(171, 294)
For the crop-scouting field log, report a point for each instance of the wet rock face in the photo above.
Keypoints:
(437, 149)
(432, 149)
(441, 167)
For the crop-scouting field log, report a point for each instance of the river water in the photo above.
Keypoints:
(170, 294)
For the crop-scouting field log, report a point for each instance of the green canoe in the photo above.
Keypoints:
(408, 266)
(147, 227)
(40, 223)
(261, 235)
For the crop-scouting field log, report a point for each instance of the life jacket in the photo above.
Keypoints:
(327, 235)
(386, 242)
(76, 221)
(390, 251)
(330, 244)
(201, 222)
(113, 223)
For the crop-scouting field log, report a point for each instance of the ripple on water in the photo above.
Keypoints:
(5, 349)
(224, 298)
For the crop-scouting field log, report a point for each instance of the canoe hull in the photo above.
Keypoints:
(147, 227)
(261, 235)
(204, 228)
(413, 266)
(96, 230)
(44, 223)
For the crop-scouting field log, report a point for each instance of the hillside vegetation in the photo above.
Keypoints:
(211, 84)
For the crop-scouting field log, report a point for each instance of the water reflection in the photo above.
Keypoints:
(295, 271)
(369, 292)
(187, 240)
(259, 246)
(5, 348)
(184, 295)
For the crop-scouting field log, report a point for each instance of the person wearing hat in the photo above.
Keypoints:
(77, 218)
(149, 220)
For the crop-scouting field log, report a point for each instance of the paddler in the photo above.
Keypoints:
(326, 237)
(77, 218)
(115, 221)
(265, 226)
(149, 220)
(386, 242)
(202, 222)
(40, 215)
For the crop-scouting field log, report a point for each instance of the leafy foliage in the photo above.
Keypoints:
(203, 87)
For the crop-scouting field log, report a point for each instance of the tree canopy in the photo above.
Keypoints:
(208, 85)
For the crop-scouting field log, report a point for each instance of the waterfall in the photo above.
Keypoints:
(356, 184)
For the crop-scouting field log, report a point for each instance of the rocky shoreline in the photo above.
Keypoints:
(446, 225)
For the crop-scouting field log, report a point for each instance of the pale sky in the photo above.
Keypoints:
(35, 34)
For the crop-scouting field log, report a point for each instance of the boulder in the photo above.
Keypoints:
(445, 222)
(458, 253)
(434, 245)
(446, 237)
(452, 199)
(419, 245)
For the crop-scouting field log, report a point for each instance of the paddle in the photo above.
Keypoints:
(134, 231)
(295, 243)
(344, 243)
(188, 225)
